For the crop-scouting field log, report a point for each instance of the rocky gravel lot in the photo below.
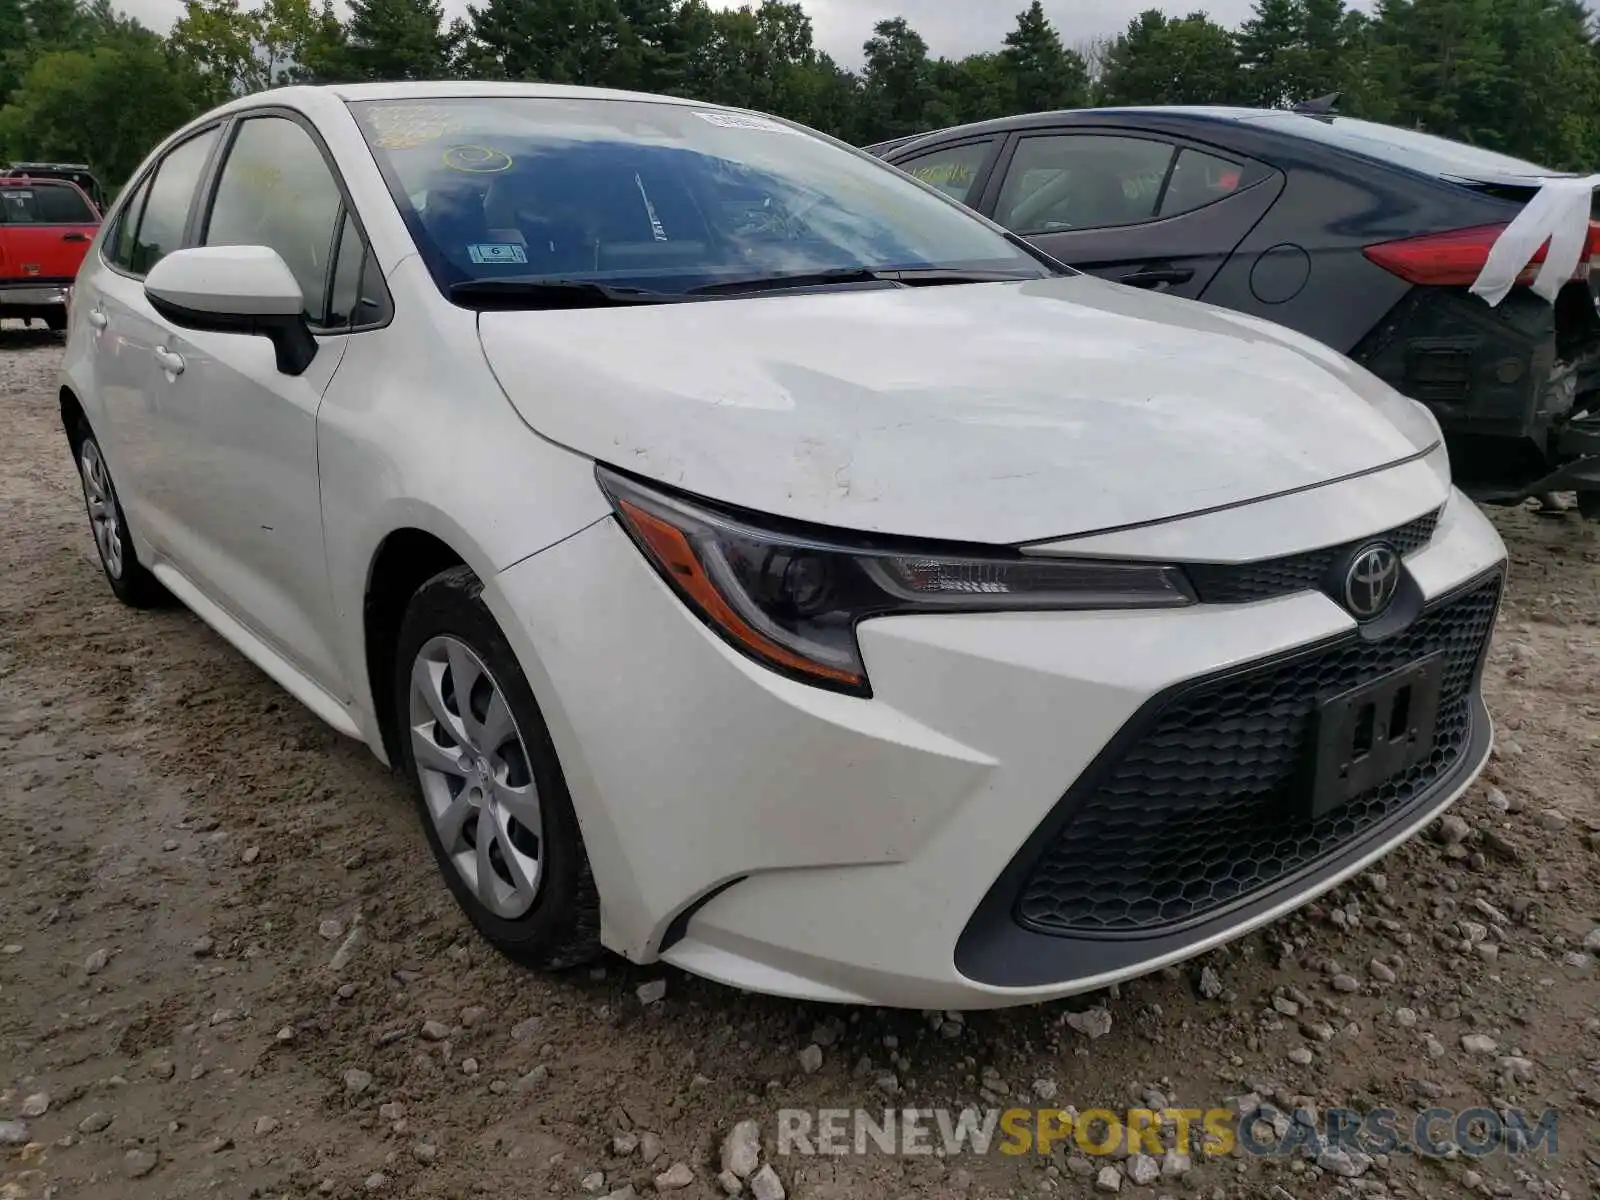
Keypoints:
(227, 967)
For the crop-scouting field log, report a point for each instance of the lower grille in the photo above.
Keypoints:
(1199, 809)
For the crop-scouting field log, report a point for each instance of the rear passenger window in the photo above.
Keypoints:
(951, 170)
(1082, 181)
(166, 207)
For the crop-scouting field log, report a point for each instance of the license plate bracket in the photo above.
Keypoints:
(1367, 734)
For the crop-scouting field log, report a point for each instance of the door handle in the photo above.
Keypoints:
(98, 319)
(171, 363)
(74, 237)
(1149, 277)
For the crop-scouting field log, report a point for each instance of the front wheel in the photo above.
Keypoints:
(488, 785)
(129, 580)
(1589, 505)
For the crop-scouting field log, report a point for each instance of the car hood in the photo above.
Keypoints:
(999, 412)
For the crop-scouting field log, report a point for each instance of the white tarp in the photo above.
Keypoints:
(1558, 213)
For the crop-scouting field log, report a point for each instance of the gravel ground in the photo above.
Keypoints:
(227, 966)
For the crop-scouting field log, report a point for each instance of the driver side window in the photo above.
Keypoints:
(276, 190)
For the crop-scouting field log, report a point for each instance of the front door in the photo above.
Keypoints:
(245, 433)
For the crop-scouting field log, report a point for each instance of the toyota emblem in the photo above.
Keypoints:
(1371, 581)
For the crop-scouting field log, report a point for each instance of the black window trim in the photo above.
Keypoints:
(1178, 142)
(346, 219)
(136, 191)
(201, 218)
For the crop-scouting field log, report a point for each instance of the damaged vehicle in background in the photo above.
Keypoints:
(760, 564)
(1364, 236)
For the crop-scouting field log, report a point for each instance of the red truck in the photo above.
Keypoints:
(46, 225)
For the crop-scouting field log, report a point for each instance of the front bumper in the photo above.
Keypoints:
(786, 839)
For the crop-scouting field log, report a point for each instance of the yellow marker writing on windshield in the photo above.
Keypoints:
(477, 160)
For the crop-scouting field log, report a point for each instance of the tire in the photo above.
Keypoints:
(539, 906)
(1589, 505)
(56, 322)
(130, 581)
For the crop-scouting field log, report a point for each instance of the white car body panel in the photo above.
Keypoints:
(485, 486)
(1075, 416)
(238, 461)
(1000, 412)
(979, 765)
(1330, 515)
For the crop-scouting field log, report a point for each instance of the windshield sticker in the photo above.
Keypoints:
(405, 126)
(477, 160)
(497, 252)
(733, 120)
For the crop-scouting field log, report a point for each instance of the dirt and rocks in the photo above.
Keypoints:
(227, 966)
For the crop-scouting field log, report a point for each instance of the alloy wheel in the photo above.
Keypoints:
(102, 502)
(472, 763)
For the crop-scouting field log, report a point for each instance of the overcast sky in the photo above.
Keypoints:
(952, 27)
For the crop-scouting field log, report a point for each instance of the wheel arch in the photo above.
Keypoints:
(404, 560)
(74, 420)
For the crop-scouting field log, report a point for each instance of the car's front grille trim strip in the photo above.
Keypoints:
(1307, 571)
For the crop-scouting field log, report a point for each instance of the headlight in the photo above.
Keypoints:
(791, 599)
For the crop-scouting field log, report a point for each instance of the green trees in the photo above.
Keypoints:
(105, 106)
(395, 39)
(1296, 49)
(78, 79)
(1040, 73)
(1161, 60)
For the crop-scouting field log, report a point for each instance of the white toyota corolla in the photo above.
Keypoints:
(759, 562)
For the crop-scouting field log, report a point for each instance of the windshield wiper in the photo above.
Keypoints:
(512, 293)
(903, 276)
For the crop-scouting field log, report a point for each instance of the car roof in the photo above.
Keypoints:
(445, 90)
(82, 168)
(1265, 127)
(1181, 112)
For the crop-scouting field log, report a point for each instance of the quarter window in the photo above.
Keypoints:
(1200, 179)
(166, 203)
(119, 239)
(356, 296)
(1082, 181)
(952, 170)
(276, 190)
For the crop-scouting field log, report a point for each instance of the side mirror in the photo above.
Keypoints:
(235, 289)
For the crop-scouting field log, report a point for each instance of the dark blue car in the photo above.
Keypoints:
(1362, 235)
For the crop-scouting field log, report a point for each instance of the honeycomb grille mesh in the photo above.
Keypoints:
(1201, 810)
(1241, 583)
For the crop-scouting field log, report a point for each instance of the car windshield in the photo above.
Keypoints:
(655, 196)
(40, 203)
(1403, 147)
